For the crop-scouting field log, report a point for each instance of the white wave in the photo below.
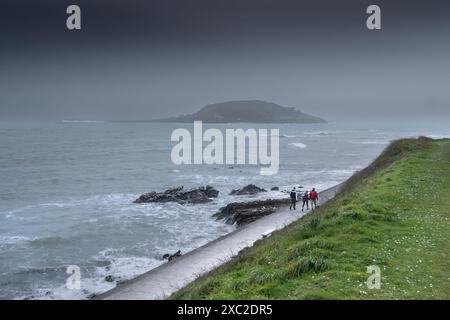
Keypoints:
(82, 121)
(34, 241)
(438, 136)
(288, 136)
(342, 172)
(369, 142)
(298, 145)
(335, 172)
(104, 199)
(89, 287)
(120, 268)
(11, 240)
(127, 268)
(319, 133)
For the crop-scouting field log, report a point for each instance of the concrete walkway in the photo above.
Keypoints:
(166, 279)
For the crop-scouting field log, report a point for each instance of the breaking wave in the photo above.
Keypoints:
(298, 145)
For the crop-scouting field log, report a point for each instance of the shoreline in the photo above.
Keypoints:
(166, 279)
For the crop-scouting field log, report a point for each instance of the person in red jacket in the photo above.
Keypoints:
(313, 197)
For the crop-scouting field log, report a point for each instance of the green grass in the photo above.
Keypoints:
(394, 214)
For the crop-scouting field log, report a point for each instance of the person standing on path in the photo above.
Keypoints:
(293, 196)
(313, 197)
(305, 200)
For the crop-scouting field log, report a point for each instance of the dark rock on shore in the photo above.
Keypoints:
(274, 189)
(243, 213)
(250, 189)
(179, 195)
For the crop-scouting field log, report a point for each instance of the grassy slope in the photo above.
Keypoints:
(394, 214)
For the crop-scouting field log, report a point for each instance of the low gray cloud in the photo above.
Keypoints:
(148, 59)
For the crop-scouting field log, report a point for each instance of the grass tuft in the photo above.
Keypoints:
(304, 265)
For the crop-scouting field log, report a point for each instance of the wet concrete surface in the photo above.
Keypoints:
(166, 279)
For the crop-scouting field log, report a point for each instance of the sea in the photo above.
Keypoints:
(67, 190)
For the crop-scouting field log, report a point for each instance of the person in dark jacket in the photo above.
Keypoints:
(293, 196)
(305, 200)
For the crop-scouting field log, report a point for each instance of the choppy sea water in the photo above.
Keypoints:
(66, 192)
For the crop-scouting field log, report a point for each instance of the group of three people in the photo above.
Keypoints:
(308, 197)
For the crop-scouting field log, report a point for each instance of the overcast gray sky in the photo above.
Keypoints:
(139, 59)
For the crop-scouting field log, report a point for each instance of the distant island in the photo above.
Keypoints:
(255, 111)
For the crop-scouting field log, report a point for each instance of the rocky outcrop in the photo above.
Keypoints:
(250, 189)
(179, 195)
(255, 111)
(274, 189)
(243, 213)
